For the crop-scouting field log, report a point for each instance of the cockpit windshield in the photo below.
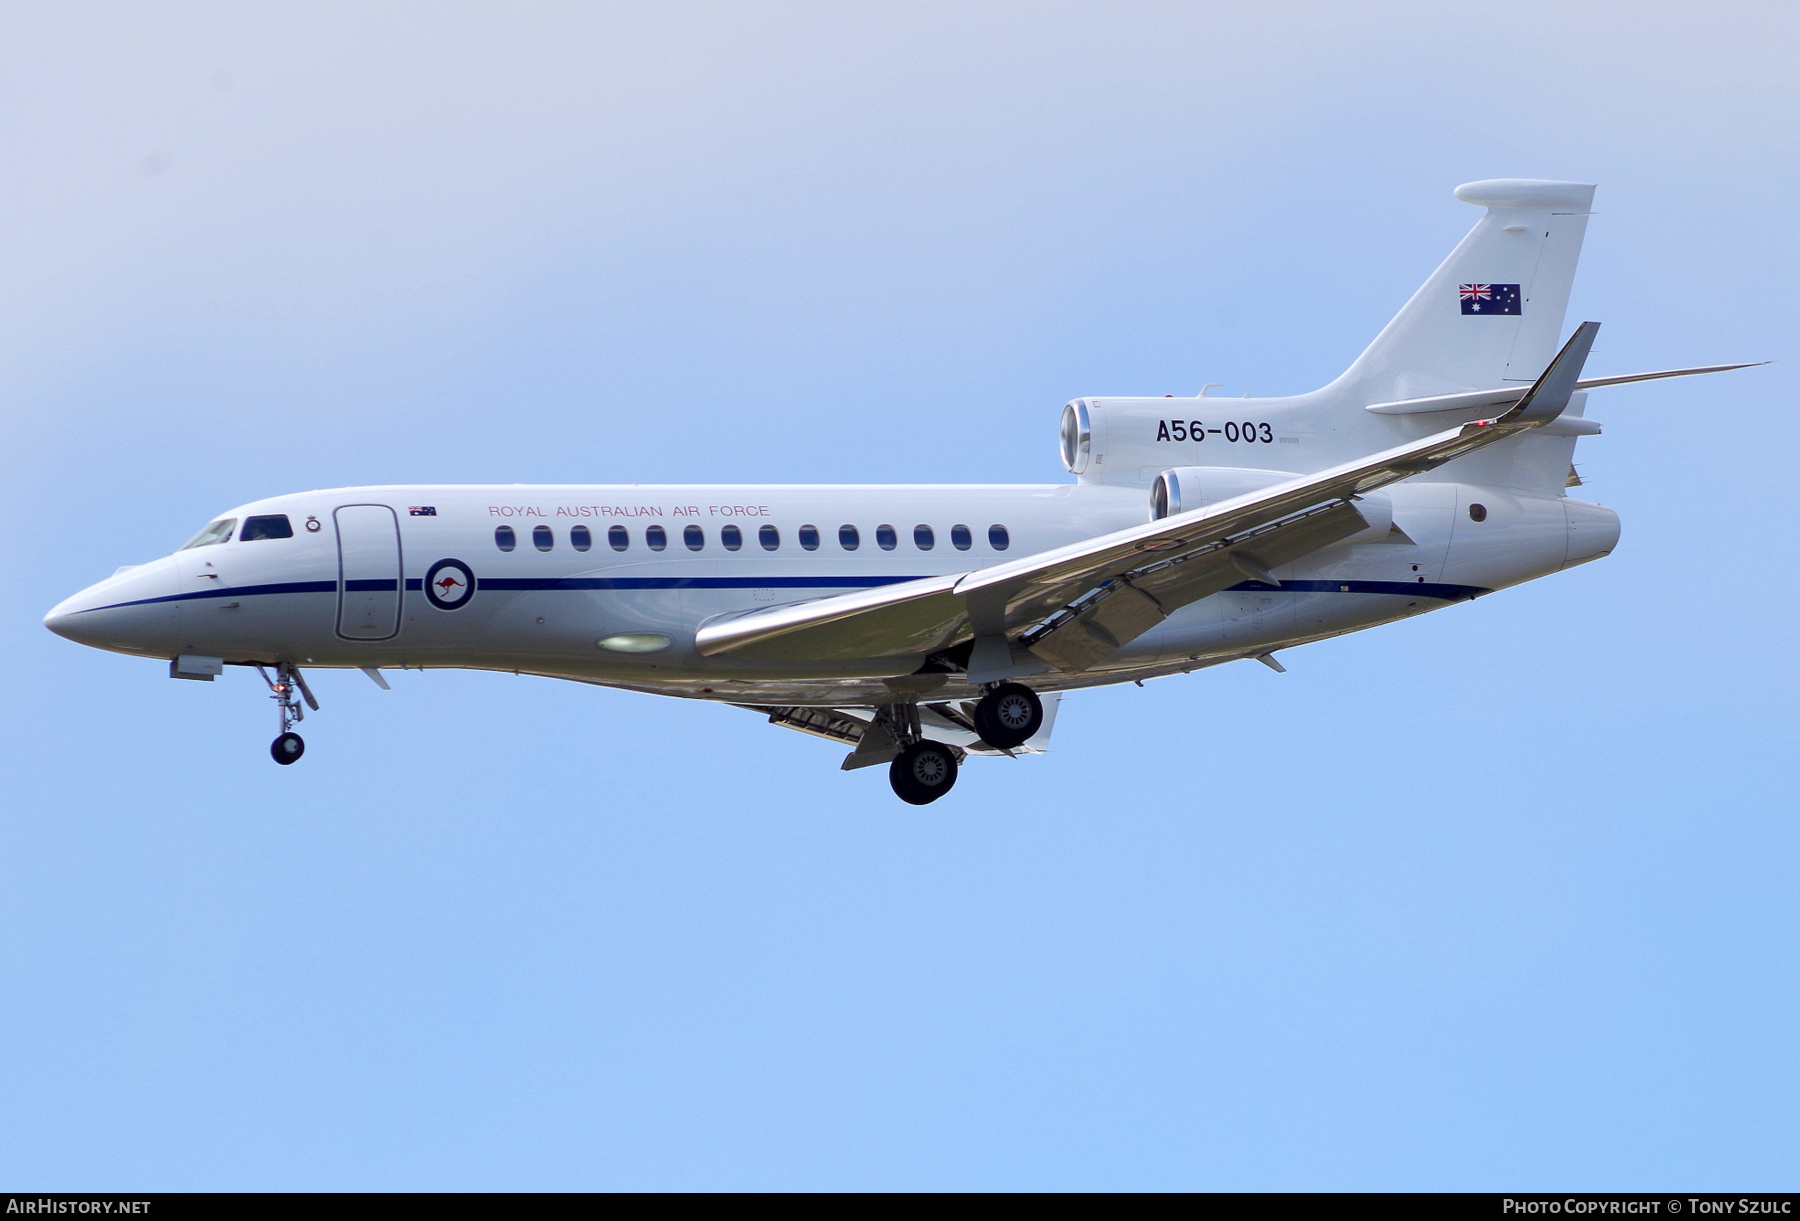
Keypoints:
(217, 532)
(272, 525)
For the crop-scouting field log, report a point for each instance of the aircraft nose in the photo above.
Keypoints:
(82, 618)
(129, 612)
(61, 619)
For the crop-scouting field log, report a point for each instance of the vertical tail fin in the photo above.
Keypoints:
(1492, 312)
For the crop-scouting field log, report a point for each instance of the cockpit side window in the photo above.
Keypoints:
(217, 532)
(273, 525)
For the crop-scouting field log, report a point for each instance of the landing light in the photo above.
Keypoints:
(635, 642)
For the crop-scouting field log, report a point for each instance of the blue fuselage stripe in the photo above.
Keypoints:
(1426, 589)
(516, 584)
(234, 591)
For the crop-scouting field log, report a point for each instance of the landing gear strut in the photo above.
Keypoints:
(287, 689)
(1008, 716)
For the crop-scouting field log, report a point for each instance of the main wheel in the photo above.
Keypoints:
(922, 773)
(287, 748)
(1008, 715)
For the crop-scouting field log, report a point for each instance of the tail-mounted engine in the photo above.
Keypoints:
(1127, 441)
(1182, 488)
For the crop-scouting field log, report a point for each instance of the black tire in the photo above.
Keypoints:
(923, 772)
(287, 748)
(1008, 716)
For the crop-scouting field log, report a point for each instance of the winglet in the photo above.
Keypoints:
(1549, 395)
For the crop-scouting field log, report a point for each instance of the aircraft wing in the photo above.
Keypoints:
(1073, 606)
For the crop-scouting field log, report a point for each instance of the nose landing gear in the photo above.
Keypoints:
(287, 689)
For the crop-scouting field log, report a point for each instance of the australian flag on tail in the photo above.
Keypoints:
(1489, 298)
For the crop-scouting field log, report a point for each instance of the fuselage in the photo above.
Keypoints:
(608, 584)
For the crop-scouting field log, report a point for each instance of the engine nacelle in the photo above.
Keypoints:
(1076, 432)
(1124, 441)
(1182, 489)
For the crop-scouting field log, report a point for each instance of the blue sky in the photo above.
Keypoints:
(1500, 898)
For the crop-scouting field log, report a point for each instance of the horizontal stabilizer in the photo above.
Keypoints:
(1474, 400)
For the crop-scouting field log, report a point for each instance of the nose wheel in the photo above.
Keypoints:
(288, 689)
(922, 773)
(1008, 716)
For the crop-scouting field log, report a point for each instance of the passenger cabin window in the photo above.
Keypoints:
(274, 525)
(580, 538)
(923, 538)
(769, 537)
(504, 538)
(541, 538)
(217, 532)
(618, 537)
(885, 538)
(848, 538)
(960, 538)
(694, 537)
(809, 537)
(998, 538)
(732, 537)
(656, 538)
(1477, 512)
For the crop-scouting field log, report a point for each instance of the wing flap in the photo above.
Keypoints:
(1117, 614)
(1089, 637)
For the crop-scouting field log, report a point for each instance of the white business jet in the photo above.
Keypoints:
(920, 624)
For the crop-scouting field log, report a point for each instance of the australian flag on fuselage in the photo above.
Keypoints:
(1489, 298)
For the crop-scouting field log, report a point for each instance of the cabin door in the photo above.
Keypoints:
(368, 572)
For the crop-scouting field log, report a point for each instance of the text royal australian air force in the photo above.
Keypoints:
(621, 511)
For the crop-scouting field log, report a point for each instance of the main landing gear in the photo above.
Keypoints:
(1005, 719)
(1008, 716)
(287, 689)
(922, 773)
